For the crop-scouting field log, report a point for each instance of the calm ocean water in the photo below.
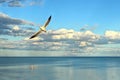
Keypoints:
(59, 68)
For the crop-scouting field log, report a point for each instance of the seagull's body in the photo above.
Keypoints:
(43, 28)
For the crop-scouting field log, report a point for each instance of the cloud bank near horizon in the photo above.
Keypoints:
(61, 40)
(69, 42)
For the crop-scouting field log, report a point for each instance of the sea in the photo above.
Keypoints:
(59, 68)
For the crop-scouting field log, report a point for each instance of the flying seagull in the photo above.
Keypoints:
(43, 28)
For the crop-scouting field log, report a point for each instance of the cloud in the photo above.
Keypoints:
(21, 3)
(3, 39)
(16, 28)
(15, 3)
(87, 27)
(113, 36)
(11, 26)
(6, 20)
(36, 2)
(69, 42)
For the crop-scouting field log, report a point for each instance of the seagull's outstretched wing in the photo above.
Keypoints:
(34, 35)
(47, 22)
(41, 29)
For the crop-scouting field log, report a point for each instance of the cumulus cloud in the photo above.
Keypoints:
(21, 3)
(64, 39)
(113, 36)
(67, 41)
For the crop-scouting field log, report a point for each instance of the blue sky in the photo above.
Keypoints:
(71, 14)
(80, 26)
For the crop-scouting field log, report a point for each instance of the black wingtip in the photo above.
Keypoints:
(31, 37)
(50, 17)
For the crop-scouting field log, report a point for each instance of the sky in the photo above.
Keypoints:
(77, 27)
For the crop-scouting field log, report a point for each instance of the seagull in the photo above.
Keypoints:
(43, 28)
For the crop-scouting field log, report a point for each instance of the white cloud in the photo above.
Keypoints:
(113, 36)
(84, 44)
(11, 26)
(15, 3)
(36, 2)
(7, 20)
(16, 28)
(89, 33)
(21, 3)
(70, 41)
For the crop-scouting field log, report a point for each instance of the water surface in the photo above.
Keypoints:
(59, 68)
